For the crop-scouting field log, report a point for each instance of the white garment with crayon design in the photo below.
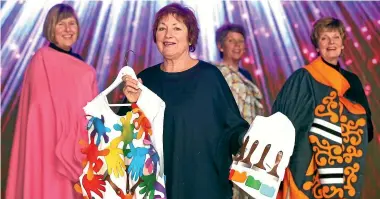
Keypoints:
(268, 146)
(139, 149)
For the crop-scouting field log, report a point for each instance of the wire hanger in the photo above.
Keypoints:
(126, 70)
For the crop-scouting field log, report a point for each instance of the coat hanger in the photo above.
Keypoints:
(126, 70)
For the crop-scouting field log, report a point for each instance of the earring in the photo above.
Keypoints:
(189, 43)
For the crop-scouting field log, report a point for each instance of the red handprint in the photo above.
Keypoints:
(92, 153)
(96, 184)
(141, 122)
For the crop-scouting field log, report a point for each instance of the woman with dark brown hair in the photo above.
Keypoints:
(202, 123)
(329, 110)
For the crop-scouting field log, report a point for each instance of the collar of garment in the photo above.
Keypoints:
(55, 47)
(233, 75)
(236, 69)
(334, 66)
(239, 69)
(328, 75)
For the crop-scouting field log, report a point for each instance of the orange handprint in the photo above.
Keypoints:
(142, 121)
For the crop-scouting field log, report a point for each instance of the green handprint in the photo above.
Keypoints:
(148, 185)
(115, 163)
(128, 128)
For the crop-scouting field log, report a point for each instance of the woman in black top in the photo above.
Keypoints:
(202, 123)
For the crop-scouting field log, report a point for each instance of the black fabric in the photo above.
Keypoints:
(355, 93)
(334, 66)
(338, 134)
(70, 52)
(245, 73)
(296, 101)
(331, 175)
(202, 128)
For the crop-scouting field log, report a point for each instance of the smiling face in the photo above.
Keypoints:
(233, 46)
(172, 37)
(330, 45)
(66, 33)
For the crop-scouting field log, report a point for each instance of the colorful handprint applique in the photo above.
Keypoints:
(92, 157)
(152, 162)
(148, 185)
(131, 163)
(138, 156)
(99, 128)
(126, 129)
(141, 122)
(115, 163)
(95, 184)
(159, 188)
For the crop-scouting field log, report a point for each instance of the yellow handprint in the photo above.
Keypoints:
(115, 163)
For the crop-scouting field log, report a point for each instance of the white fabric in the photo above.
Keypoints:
(153, 108)
(278, 131)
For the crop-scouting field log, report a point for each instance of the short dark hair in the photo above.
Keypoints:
(326, 23)
(223, 31)
(183, 13)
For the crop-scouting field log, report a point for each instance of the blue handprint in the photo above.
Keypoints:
(138, 159)
(99, 128)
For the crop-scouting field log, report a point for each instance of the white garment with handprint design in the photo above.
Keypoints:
(124, 154)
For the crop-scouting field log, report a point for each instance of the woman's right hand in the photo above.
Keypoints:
(131, 90)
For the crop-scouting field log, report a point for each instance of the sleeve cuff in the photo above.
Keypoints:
(149, 103)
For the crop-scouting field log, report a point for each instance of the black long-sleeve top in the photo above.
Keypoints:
(202, 129)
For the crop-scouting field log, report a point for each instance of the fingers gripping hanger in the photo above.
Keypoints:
(126, 70)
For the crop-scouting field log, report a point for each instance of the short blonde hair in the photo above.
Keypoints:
(326, 23)
(56, 14)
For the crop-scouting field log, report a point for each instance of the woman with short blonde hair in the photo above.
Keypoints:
(45, 160)
(55, 15)
(330, 113)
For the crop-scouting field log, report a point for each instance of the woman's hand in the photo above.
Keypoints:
(131, 90)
